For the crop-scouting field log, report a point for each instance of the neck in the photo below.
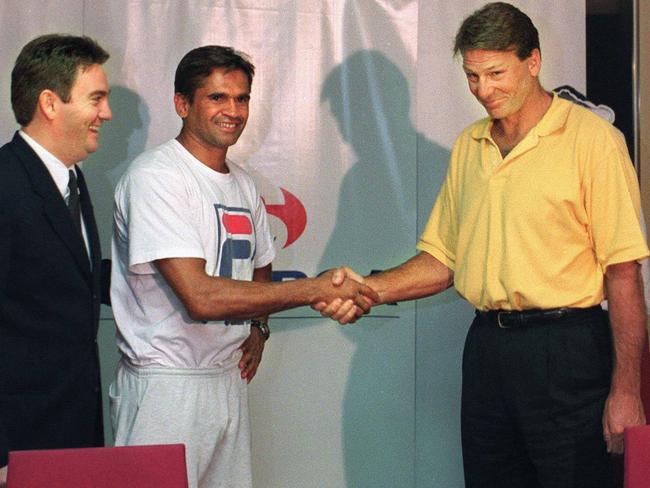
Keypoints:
(519, 124)
(49, 141)
(213, 157)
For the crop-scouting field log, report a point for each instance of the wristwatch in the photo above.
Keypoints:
(263, 327)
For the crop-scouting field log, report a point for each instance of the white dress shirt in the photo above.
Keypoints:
(59, 173)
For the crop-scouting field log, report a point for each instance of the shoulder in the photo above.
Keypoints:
(474, 132)
(240, 174)
(9, 155)
(582, 118)
(237, 169)
(158, 158)
(13, 171)
(16, 187)
(592, 130)
(158, 163)
(468, 141)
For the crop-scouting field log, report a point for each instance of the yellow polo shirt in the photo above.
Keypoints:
(538, 228)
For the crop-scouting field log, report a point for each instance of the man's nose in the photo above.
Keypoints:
(232, 107)
(484, 89)
(106, 113)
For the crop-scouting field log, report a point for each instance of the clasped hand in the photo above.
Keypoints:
(349, 298)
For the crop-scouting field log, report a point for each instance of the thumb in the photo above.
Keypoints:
(338, 277)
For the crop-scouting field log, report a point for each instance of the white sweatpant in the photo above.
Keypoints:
(205, 409)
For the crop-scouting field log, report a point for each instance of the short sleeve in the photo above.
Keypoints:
(264, 243)
(613, 203)
(154, 218)
(440, 235)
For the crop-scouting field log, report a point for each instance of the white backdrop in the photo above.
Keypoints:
(354, 108)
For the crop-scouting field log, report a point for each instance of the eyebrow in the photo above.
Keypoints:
(224, 94)
(104, 93)
(492, 67)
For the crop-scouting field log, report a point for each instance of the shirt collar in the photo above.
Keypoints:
(55, 166)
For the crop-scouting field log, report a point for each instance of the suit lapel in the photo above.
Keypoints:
(54, 207)
(91, 230)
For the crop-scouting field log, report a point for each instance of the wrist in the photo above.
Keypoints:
(312, 289)
(263, 327)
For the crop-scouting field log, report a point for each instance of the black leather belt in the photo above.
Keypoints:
(507, 319)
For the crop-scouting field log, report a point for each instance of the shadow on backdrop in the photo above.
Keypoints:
(375, 229)
(442, 322)
(121, 140)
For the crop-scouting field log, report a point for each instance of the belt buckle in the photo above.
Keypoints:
(501, 326)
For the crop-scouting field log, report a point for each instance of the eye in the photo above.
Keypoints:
(244, 98)
(215, 97)
(472, 76)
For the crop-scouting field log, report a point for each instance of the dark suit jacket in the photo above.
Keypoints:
(50, 394)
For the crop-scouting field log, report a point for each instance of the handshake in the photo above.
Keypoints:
(344, 296)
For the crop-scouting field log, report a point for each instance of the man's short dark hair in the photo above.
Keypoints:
(199, 63)
(497, 26)
(50, 62)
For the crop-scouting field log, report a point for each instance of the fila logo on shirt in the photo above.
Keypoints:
(236, 238)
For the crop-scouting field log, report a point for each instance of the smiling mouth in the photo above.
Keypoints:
(227, 125)
(492, 104)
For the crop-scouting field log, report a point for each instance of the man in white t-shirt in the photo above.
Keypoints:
(191, 287)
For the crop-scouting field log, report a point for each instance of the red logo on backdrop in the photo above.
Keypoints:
(292, 213)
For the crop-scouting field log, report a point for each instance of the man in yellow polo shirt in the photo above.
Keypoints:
(537, 221)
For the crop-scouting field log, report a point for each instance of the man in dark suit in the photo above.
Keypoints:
(50, 261)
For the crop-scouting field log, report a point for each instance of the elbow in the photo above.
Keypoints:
(450, 281)
(446, 281)
(196, 313)
(201, 310)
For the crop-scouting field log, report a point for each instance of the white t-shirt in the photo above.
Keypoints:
(169, 204)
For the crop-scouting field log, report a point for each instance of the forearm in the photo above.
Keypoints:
(421, 276)
(216, 298)
(221, 298)
(628, 323)
(263, 275)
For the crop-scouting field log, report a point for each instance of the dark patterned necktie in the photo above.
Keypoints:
(73, 200)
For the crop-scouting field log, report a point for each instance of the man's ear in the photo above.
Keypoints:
(534, 62)
(181, 104)
(48, 104)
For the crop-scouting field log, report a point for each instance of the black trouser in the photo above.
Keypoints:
(532, 404)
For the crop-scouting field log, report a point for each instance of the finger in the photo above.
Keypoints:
(359, 312)
(608, 442)
(244, 361)
(368, 292)
(351, 317)
(254, 363)
(350, 273)
(363, 303)
(332, 308)
(343, 310)
(607, 435)
(319, 306)
(617, 444)
(338, 277)
(245, 364)
(251, 374)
